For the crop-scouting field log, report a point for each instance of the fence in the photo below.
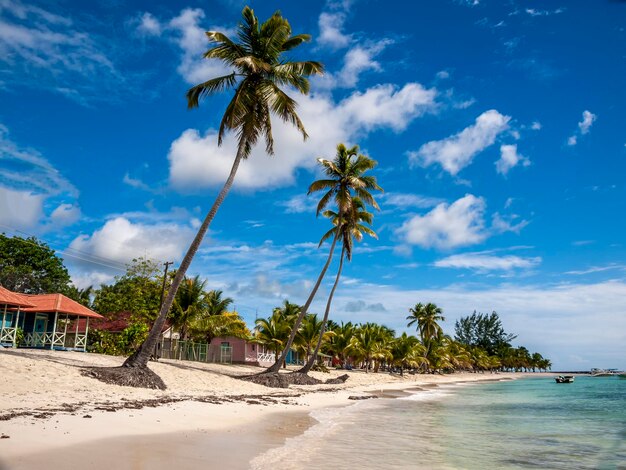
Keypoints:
(190, 351)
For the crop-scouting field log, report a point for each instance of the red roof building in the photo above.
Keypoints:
(50, 321)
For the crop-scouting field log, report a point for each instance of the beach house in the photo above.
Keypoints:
(51, 321)
(230, 349)
(11, 305)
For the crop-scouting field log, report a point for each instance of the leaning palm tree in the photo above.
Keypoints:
(259, 70)
(351, 229)
(345, 180)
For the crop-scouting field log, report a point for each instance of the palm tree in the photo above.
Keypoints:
(339, 342)
(190, 302)
(259, 70)
(345, 180)
(309, 333)
(350, 230)
(216, 305)
(274, 331)
(426, 318)
(207, 327)
(372, 342)
(407, 351)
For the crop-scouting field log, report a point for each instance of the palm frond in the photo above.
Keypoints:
(320, 185)
(215, 85)
(323, 202)
(295, 41)
(284, 107)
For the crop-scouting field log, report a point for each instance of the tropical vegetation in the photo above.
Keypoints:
(480, 342)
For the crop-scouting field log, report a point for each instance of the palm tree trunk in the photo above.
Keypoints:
(142, 355)
(305, 307)
(312, 358)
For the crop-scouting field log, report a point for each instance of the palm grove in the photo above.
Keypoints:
(260, 69)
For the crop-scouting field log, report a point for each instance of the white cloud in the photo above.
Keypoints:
(456, 152)
(20, 209)
(387, 106)
(408, 201)
(121, 240)
(487, 262)
(196, 161)
(535, 126)
(588, 119)
(358, 59)
(46, 50)
(191, 38)
(597, 269)
(331, 34)
(149, 25)
(447, 225)
(185, 31)
(583, 127)
(500, 224)
(299, 204)
(27, 183)
(535, 12)
(27, 169)
(509, 158)
(65, 214)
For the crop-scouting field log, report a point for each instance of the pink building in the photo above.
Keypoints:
(239, 351)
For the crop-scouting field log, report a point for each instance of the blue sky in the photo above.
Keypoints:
(499, 129)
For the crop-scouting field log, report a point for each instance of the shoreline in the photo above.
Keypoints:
(204, 414)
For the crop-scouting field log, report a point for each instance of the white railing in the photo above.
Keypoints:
(266, 357)
(7, 335)
(80, 341)
(58, 339)
(34, 340)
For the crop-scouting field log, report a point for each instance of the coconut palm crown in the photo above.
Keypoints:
(259, 70)
(345, 176)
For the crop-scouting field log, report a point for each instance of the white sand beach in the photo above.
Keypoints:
(51, 415)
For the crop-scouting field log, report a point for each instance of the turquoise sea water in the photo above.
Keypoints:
(529, 423)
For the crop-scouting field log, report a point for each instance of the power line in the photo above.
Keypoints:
(74, 253)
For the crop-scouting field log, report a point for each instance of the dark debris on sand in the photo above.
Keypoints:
(141, 377)
(277, 380)
(125, 404)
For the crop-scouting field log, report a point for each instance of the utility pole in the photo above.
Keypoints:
(167, 265)
(158, 345)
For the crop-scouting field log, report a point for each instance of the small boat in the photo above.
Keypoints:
(564, 379)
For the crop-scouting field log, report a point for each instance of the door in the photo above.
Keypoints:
(41, 323)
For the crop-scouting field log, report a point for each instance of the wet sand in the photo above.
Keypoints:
(231, 447)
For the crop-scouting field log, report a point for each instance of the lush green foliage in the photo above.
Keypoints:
(30, 266)
(117, 344)
(138, 291)
(483, 330)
